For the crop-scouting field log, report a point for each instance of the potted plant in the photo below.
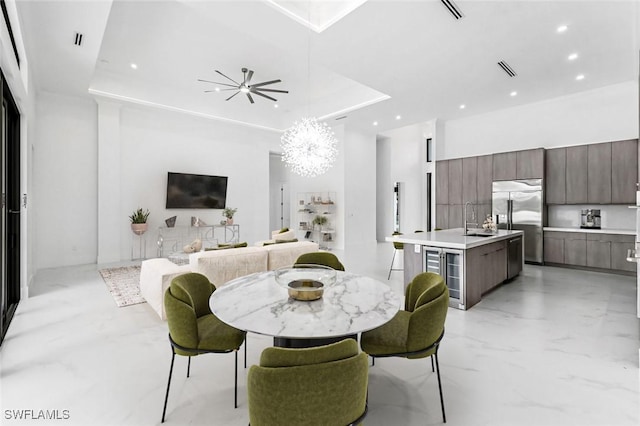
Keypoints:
(139, 221)
(320, 220)
(228, 213)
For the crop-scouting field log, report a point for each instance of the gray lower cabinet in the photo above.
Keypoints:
(620, 244)
(591, 250)
(486, 268)
(413, 262)
(553, 248)
(598, 251)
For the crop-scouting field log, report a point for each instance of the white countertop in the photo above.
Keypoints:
(453, 238)
(592, 231)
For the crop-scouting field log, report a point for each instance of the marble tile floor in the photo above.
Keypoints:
(552, 347)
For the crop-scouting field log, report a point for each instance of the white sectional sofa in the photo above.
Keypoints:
(220, 266)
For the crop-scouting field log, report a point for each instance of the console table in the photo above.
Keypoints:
(172, 240)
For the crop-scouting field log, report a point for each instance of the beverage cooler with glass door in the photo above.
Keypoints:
(450, 264)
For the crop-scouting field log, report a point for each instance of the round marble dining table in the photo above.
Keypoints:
(257, 303)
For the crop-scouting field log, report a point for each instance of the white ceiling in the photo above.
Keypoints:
(381, 59)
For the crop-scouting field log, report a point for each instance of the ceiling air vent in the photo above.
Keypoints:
(506, 68)
(78, 39)
(452, 8)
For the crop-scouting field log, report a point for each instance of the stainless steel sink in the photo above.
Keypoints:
(478, 234)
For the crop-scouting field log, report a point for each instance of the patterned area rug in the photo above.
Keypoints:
(123, 284)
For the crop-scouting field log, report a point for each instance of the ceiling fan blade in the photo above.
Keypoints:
(249, 96)
(215, 82)
(228, 78)
(232, 95)
(234, 88)
(248, 79)
(265, 83)
(270, 90)
(264, 96)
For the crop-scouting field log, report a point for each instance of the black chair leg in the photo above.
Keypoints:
(391, 267)
(444, 418)
(432, 367)
(235, 383)
(189, 367)
(373, 361)
(245, 351)
(166, 397)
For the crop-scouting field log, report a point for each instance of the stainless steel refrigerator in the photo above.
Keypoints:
(517, 204)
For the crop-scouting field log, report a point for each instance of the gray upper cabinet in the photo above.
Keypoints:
(556, 180)
(576, 175)
(485, 178)
(599, 173)
(470, 179)
(455, 216)
(455, 181)
(530, 164)
(442, 182)
(624, 174)
(504, 166)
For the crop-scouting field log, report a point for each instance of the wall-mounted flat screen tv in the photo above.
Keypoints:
(188, 191)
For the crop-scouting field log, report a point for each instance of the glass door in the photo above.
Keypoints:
(454, 276)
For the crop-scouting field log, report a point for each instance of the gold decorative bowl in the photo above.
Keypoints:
(305, 289)
(305, 282)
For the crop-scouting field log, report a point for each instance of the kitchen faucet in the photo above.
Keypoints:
(473, 216)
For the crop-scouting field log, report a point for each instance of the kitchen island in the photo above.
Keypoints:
(471, 265)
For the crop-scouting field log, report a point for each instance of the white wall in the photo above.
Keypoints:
(606, 114)
(65, 181)
(152, 143)
(359, 188)
(156, 142)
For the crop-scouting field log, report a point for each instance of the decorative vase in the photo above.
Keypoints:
(139, 228)
(229, 221)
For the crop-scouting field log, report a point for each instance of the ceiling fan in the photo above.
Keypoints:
(246, 87)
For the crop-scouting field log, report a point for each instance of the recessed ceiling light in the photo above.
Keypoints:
(217, 89)
(580, 77)
(398, 117)
(134, 66)
(275, 105)
(514, 93)
(463, 106)
(375, 123)
(562, 28)
(572, 57)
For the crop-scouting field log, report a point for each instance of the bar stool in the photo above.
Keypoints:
(396, 246)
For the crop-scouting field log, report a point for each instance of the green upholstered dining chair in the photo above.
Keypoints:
(320, 258)
(396, 246)
(323, 385)
(416, 331)
(193, 329)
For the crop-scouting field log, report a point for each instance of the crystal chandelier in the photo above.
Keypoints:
(309, 147)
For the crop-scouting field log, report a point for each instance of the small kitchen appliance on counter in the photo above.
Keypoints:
(590, 219)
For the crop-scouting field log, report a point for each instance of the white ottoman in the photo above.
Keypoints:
(155, 278)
